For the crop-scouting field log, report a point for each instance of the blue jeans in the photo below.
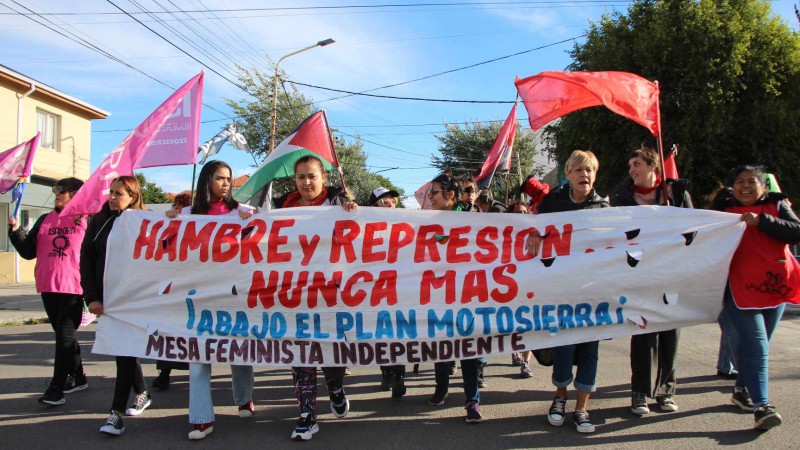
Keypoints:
(469, 374)
(728, 343)
(201, 407)
(584, 355)
(755, 327)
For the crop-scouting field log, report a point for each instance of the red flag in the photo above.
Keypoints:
(550, 95)
(123, 159)
(670, 168)
(499, 156)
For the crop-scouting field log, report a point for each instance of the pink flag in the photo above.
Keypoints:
(15, 164)
(141, 141)
(550, 95)
(175, 142)
(499, 156)
(422, 196)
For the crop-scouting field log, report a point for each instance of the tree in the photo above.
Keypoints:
(255, 113)
(464, 149)
(728, 73)
(255, 122)
(151, 193)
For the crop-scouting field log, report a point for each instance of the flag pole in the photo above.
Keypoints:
(508, 178)
(194, 175)
(661, 148)
(333, 148)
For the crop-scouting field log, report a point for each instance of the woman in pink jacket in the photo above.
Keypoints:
(56, 245)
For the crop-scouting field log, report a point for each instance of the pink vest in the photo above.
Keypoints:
(58, 254)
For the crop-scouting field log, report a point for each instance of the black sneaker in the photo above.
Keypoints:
(161, 382)
(306, 427)
(557, 412)
(75, 383)
(766, 417)
(140, 403)
(473, 413)
(438, 396)
(639, 404)
(582, 422)
(53, 396)
(340, 405)
(743, 400)
(114, 425)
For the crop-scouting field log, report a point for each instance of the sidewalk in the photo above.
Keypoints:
(20, 302)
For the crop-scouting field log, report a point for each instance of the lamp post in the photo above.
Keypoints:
(275, 88)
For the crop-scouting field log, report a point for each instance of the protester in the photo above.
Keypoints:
(392, 377)
(581, 171)
(486, 202)
(165, 368)
(444, 195)
(310, 179)
(521, 359)
(215, 197)
(57, 273)
(124, 193)
(762, 259)
(469, 192)
(652, 350)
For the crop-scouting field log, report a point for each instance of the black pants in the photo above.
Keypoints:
(654, 351)
(64, 312)
(129, 376)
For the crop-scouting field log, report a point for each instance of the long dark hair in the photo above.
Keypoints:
(450, 183)
(202, 199)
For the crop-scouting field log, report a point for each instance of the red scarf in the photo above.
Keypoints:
(293, 199)
(646, 190)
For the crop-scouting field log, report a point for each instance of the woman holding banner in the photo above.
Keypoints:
(57, 251)
(652, 350)
(214, 197)
(581, 171)
(124, 193)
(444, 195)
(310, 179)
(763, 278)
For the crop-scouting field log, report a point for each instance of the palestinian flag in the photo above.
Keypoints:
(312, 137)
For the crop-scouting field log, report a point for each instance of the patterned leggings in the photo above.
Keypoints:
(305, 385)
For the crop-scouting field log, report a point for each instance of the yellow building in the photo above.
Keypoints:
(26, 107)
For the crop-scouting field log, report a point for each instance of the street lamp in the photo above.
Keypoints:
(275, 88)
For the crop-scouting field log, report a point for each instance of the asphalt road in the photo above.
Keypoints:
(513, 408)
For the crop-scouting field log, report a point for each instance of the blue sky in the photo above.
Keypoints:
(374, 47)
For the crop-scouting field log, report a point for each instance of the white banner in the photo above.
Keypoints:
(323, 287)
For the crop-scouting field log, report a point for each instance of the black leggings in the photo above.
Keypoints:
(64, 312)
(129, 376)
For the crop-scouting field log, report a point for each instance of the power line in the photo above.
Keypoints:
(365, 7)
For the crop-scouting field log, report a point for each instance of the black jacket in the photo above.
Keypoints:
(93, 253)
(335, 195)
(25, 241)
(558, 200)
(680, 197)
(785, 227)
(496, 207)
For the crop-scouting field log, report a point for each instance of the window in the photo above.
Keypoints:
(47, 124)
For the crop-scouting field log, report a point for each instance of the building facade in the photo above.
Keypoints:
(27, 107)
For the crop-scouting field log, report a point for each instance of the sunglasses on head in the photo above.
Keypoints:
(60, 189)
(469, 190)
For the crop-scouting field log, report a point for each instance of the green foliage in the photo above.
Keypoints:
(151, 192)
(728, 72)
(464, 149)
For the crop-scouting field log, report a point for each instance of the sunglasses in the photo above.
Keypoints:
(60, 189)
(469, 190)
(433, 192)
